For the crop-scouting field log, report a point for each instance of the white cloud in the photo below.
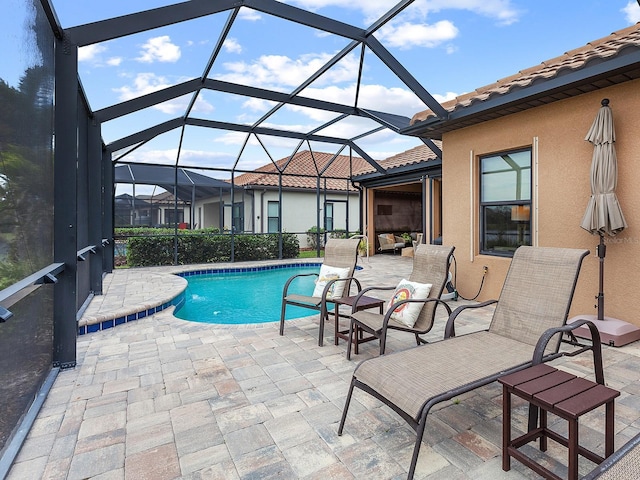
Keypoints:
(145, 83)
(90, 53)
(407, 35)
(501, 10)
(249, 14)
(114, 61)
(187, 157)
(282, 72)
(232, 45)
(632, 12)
(258, 105)
(159, 49)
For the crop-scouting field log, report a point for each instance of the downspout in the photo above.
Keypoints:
(361, 203)
(423, 214)
(262, 210)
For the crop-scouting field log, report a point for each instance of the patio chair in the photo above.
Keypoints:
(340, 257)
(531, 311)
(623, 463)
(430, 266)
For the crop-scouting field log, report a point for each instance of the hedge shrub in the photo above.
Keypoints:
(155, 247)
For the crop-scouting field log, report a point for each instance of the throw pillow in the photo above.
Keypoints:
(328, 273)
(407, 314)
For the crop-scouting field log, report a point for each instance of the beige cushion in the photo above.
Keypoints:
(407, 314)
(328, 273)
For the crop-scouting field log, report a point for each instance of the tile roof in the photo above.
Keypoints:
(302, 171)
(618, 43)
(413, 156)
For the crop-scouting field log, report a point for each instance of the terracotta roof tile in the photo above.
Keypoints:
(575, 59)
(302, 171)
(415, 155)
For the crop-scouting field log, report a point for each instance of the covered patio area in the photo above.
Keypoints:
(163, 398)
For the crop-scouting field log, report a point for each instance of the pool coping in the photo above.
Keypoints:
(171, 284)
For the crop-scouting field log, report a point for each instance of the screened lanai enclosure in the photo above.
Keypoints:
(76, 118)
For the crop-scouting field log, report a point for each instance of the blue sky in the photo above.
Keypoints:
(449, 46)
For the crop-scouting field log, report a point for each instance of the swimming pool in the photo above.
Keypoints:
(247, 295)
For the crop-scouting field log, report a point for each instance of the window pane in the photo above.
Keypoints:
(272, 209)
(272, 225)
(328, 219)
(506, 177)
(506, 227)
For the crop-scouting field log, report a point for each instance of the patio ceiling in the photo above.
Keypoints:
(341, 128)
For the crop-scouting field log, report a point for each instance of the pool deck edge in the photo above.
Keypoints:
(134, 293)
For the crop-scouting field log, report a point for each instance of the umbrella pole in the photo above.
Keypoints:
(602, 251)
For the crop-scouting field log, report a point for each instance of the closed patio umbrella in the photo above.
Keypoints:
(603, 215)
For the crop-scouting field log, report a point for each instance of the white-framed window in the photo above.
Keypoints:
(273, 217)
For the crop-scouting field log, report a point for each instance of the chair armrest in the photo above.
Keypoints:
(449, 329)
(595, 347)
(414, 300)
(291, 279)
(329, 284)
(364, 292)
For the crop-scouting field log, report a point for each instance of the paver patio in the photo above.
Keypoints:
(162, 398)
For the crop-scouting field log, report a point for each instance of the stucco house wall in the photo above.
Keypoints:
(561, 161)
(299, 212)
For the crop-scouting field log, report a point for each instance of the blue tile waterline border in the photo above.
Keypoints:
(180, 298)
(106, 324)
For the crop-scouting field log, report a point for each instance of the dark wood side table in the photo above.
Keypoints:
(364, 303)
(564, 395)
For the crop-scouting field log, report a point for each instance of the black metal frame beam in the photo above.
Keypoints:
(96, 32)
(404, 75)
(65, 203)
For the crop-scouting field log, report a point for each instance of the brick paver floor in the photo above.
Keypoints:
(162, 398)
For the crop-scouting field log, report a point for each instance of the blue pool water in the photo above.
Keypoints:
(245, 297)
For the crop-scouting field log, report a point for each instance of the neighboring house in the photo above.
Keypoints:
(316, 190)
(150, 210)
(516, 169)
(163, 209)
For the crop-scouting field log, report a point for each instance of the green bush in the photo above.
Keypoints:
(197, 247)
(312, 237)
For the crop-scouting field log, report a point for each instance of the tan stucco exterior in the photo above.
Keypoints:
(561, 163)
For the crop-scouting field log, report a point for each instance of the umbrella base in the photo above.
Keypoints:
(613, 332)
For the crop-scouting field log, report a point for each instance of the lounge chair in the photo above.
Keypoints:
(531, 311)
(622, 464)
(430, 266)
(340, 255)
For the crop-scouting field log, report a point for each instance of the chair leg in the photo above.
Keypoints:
(346, 406)
(323, 318)
(416, 448)
(383, 341)
(282, 313)
(350, 339)
(417, 340)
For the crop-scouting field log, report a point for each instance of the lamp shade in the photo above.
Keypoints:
(520, 213)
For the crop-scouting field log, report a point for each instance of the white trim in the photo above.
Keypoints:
(534, 193)
(472, 202)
